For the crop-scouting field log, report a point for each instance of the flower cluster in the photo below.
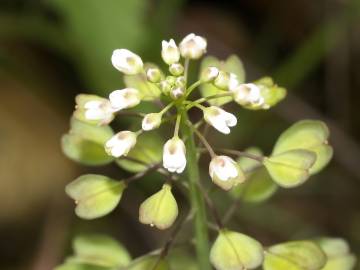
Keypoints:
(223, 170)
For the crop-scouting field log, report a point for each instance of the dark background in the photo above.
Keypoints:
(51, 50)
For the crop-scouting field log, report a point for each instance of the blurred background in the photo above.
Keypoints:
(51, 50)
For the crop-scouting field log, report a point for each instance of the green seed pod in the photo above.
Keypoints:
(95, 195)
(235, 251)
(222, 80)
(338, 253)
(159, 210)
(176, 69)
(297, 255)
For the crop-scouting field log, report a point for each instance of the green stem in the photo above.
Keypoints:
(197, 200)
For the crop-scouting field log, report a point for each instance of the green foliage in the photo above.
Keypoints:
(145, 150)
(309, 135)
(96, 252)
(338, 253)
(94, 195)
(291, 168)
(231, 64)
(84, 143)
(160, 209)
(233, 251)
(297, 255)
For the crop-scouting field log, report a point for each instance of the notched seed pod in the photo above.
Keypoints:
(159, 210)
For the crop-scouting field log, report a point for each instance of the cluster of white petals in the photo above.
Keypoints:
(99, 110)
(125, 98)
(223, 168)
(127, 62)
(193, 46)
(121, 143)
(170, 52)
(174, 155)
(219, 119)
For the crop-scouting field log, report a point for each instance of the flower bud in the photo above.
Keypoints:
(236, 251)
(192, 46)
(124, 99)
(174, 159)
(151, 121)
(177, 92)
(153, 75)
(225, 172)
(176, 69)
(159, 210)
(170, 52)
(121, 143)
(126, 61)
(233, 82)
(209, 74)
(93, 109)
(219, 119)
(222, 80)
(180, 81)
(171, 80)
(248, 94)
(165, 86)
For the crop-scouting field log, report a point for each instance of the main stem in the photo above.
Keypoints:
(197, 201)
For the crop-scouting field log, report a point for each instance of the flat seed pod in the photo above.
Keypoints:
(297, 255)
(150, 262)
(291, 168)
(309, 135)
(235, 251)
(159, 210)
(94, 195)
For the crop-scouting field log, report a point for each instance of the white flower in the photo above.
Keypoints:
(219, 119)
(125, 98)
(193, 46)
(121, 143)
(126, 61)
(151, 121)
(249, 93)
(225, 172)
(233, 82)
(174, 159)
(99, 110)
(209, 74)
(170, 52)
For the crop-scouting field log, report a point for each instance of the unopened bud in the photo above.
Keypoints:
(153, 75)
(176, 69)
(151, 121)
(180, 81)
(177, 92)
(165, 86)
(193, 46)
(170, 52)
(209, 74)
(126, 61)
(222, 80)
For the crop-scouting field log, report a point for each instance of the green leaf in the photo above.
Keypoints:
(100, 250)
(148, 263)
(95, 195)
(160, 209)
(338, 253)
(297, 255)
(84, 143)
(232, 64)
(257, 188)
(235, 251)
(291, 168)
(149, 91)
(309, 135)
(148, 149)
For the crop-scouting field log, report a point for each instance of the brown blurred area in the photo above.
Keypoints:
(50, 50)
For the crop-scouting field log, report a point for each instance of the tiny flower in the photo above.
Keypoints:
(93, 109)
(159, 210)
(126, 61)
(193, 46)
(151, 121)
(121, 143)
(177, 92)
(222, 80)
(170, 52)
(174, 159)
(225, 172)
(125, 98)
(219, 119)
(209, 74)
(153, 75)
(233, 82)
(249, 93)
(176, 69)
